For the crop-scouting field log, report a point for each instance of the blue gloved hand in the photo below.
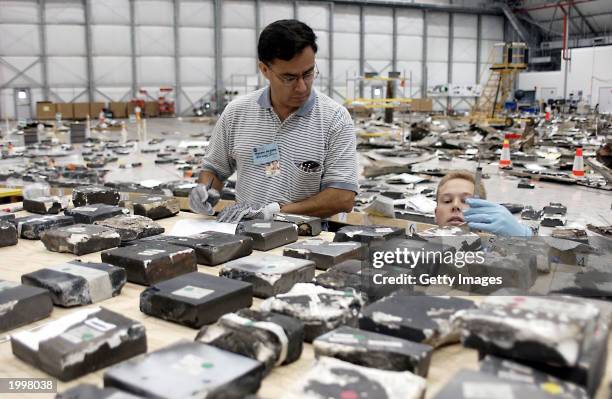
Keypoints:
(202, 199)
(493, 218)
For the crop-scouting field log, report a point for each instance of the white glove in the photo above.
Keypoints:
(235, 213)
(202, 199)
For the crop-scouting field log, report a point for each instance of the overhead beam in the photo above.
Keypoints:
(585, 19)
(492, 9)
(449, 64)
(517, 25)
(257, 32)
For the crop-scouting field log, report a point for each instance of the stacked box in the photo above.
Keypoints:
(80, 343)
(325, 254)
(201, 299)
(32, 227)
(119, 109)
(43, 205)
(21, 305)
(269, 274)
(132, 227)
(78, 283)
(80, 239)
(66, 109)
(365, 348)
(333, 378)
(89, 214)
(212, 248)
(187, 369)
(8, 234)
(320, 309)
(268, 235)
(424, 319)
(151, 263)
(270, 338)
(78, 133)
(307, 225)
(155, 206)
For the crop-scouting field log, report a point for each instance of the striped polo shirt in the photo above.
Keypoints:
(321, 130)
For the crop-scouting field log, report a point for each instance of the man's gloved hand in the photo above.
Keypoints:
(202, 199)
(493, 218)
(235, 213)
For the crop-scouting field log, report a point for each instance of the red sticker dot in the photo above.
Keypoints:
(349, 395)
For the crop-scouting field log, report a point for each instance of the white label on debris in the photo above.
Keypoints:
(486, 390)
(151, 252)
(5, 285)
(154, 198)
(99, 324)
(262, 225)
(343, 338)
(312, 242)
(76, 230)
(384, 230)
(388, 344)
(190, 364)
(82, 333)
(189, 291)
(98, 281)
(86, 209)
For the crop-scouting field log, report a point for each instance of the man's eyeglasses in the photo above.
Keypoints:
(290, 80)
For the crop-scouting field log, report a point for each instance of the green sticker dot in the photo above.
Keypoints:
(188, 288)
(207, 365)
(359, 337)
(87, 336)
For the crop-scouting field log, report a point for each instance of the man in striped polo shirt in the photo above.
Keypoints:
(293, 148)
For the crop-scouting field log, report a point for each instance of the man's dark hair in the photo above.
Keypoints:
(284, 40)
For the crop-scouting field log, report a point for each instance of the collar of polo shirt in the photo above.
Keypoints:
(264, 102)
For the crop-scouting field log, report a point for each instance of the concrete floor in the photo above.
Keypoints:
(585, 205)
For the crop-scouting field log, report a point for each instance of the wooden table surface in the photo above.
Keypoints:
(28, 256)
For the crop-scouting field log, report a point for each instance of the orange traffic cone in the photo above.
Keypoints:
(505, 161)
(578, 169)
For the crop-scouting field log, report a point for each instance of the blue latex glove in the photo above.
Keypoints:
(493, 218)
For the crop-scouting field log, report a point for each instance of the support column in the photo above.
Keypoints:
(133, 48)
(394, 44)
(424, 61)
(219, 89)
(90, 75)
(361, 48)
(449, 69)
(478, 47)
(330, 35)
(177, 63)
(42, 20)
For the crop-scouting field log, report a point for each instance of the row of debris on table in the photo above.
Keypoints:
(370, 340)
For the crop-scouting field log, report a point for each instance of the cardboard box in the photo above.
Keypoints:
(421, 105)
(81, 110)
(119, 109)
(66, 109)
(151, 109)
(45, 110)
(95, 108)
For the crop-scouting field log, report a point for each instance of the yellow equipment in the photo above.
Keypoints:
(506, 60)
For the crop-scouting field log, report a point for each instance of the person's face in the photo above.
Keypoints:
(451, 202)
(291, 81)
